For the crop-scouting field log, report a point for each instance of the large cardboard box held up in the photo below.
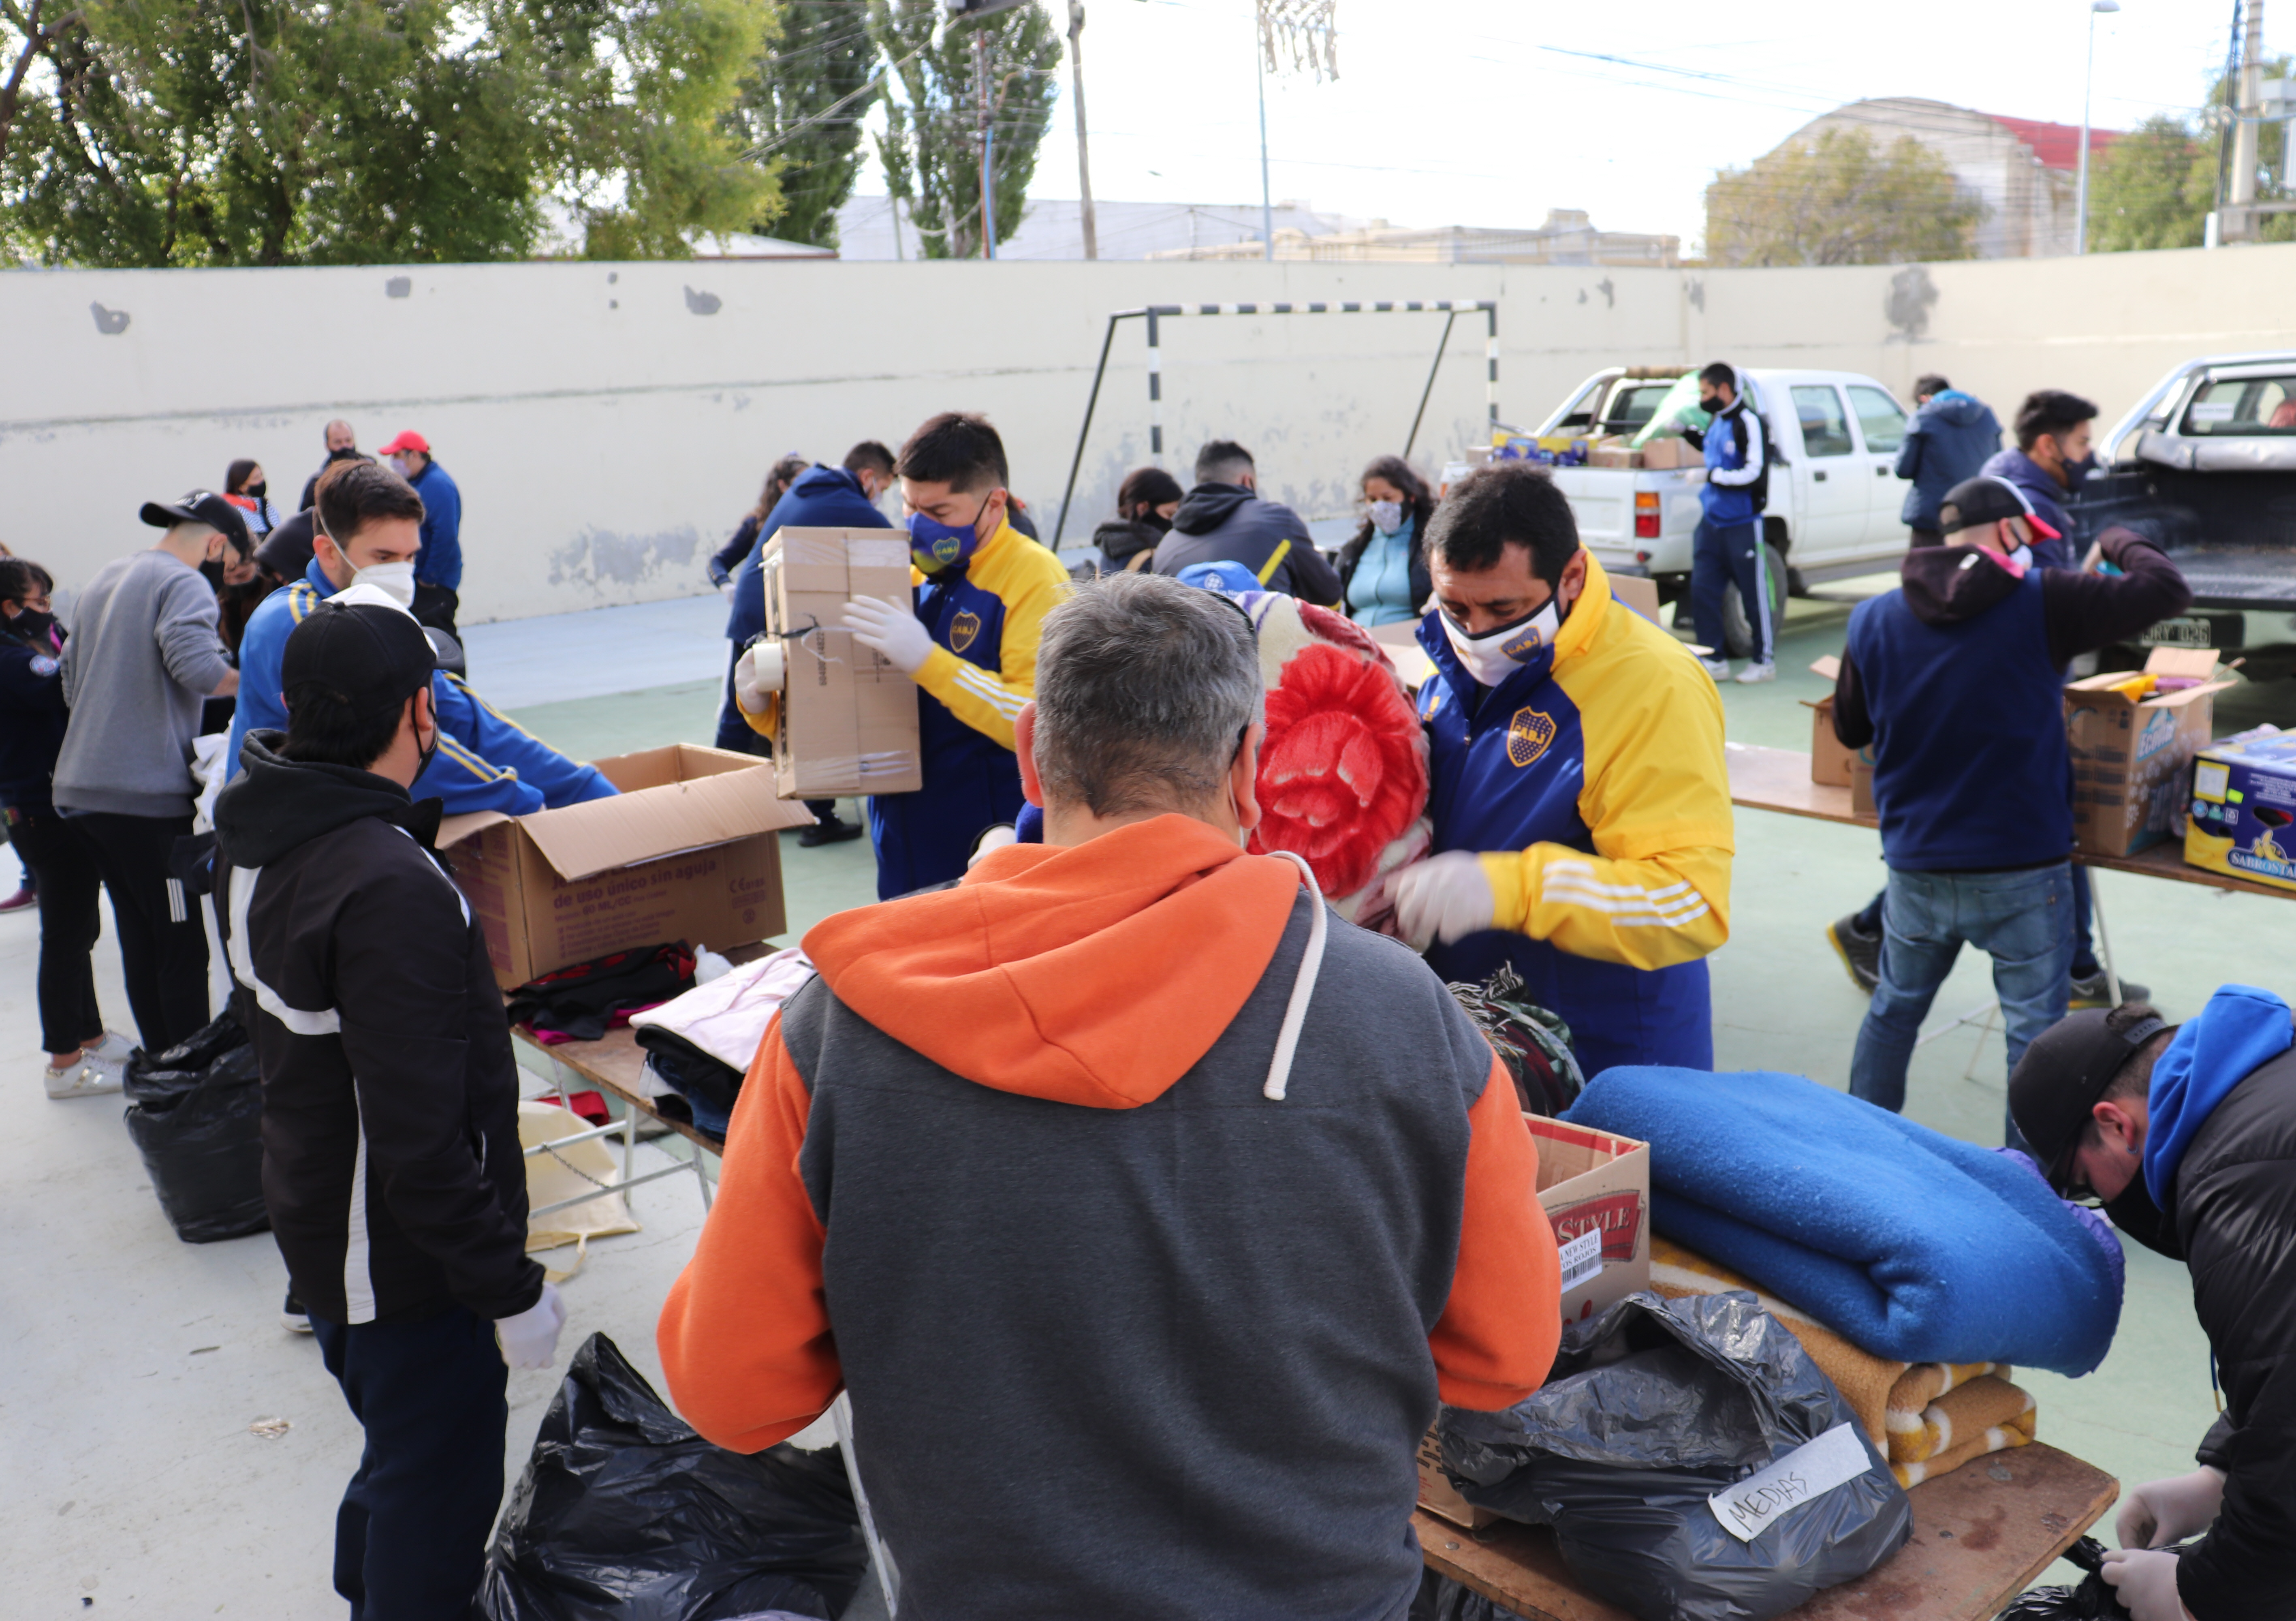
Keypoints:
(849, 720)
(2133, 756)
(2243, 806)
(687, 852)
(1596, 1191)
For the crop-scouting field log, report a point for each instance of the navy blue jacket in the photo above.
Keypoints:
(2048, 499)
(1956, 678)
(1946, 442)
(440, 561)
(1228, 523)
(32, 719)
(822, 498)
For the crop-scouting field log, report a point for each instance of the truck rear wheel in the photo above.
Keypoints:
(1737, 632)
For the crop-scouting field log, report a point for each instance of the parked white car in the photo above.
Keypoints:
(1833, 497)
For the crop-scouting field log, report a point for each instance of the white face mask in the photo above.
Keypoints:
(1386, 516)
(394, 580)
(1496, 654)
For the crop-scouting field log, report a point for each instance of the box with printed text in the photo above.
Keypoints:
(2132, 741)
(2243, 806)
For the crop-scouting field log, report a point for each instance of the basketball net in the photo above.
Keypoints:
(1301, 31)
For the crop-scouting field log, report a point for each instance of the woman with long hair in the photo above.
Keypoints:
(1144, 505)
(729, 556)
(1384, 569)
(245, 487)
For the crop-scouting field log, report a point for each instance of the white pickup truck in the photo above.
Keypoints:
(1834, 494)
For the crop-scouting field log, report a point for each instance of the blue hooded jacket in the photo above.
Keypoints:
(2048, 499)
(822, 498)
(2241, 1029)
(1947, 442)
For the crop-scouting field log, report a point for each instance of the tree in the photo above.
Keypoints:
(1836, 200)
(931, 147)
(802, 111)
(166, 133)
(2154, 186)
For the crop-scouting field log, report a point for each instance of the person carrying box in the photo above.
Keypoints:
(969, 641)
(1144, 1210)
(1957, 679)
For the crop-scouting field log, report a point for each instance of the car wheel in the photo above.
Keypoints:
(1736, 630)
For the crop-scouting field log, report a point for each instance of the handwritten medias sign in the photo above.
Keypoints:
(1810, 1470)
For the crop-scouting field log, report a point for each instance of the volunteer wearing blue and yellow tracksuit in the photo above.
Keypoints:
(982, 589)
(1581, 811)
(485, 761)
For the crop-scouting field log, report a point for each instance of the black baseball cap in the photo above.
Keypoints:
(1988, 500)
(2064, 1072)
(369, 656)
(201, 506)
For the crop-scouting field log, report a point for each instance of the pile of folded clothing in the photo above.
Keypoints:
(700, 1046)
(1928, 1418)
(584, 1000)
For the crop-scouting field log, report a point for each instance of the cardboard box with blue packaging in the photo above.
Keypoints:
(2244, 805)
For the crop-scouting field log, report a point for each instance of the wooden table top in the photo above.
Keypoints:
(612, 1066)
(1981, 1534)
(1778, 779)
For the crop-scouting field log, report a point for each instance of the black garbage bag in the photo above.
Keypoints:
(2091, 1599)
(195, 1113)
(624, 1513)
(1661, 1418)
(1441, 1599)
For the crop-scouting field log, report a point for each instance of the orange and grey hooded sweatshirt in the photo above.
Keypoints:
(1146, 1211)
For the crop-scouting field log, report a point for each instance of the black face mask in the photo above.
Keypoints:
(338, 456)
(32, 626)
(257, 490)
(212, 573)
(1156, 521)
(2133, 1213)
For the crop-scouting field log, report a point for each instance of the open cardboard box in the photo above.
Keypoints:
(2133, 757)
(1595, 1187)
(1829, 757)
(688, 851)
(848, 718)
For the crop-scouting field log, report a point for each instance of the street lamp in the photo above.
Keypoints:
(2089, 81)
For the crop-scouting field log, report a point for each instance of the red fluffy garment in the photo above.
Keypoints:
(1344, 770)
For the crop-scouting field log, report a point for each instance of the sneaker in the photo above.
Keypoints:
(292, 1317)
(1766, 670)
(1860, 952)
(23, 900)
(1719, 669)
(831, 829)
(81, 1079)
(2093, 992)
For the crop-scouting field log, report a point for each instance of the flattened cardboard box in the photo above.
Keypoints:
(688, 851)
(2132, 757)
(848, 719)
(1589, 1183)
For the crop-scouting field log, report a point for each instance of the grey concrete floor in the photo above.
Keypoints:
(129, 1476)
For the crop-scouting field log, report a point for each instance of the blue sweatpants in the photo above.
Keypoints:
(1720, 557)
(411, 1535)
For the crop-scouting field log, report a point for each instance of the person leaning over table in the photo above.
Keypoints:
(1143, 1310)
(1581, 811)
(2186, 1137)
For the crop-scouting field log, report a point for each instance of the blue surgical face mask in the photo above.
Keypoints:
(936, 546)
(1496, 654)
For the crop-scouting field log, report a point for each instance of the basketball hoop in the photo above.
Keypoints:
(1303, 31)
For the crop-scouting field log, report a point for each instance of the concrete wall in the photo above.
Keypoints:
(608, 424)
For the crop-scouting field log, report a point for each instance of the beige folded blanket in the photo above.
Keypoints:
(2017, 1432)
(1983, 1404)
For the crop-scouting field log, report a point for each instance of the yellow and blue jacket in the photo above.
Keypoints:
(1593, 787)
(985, 619)
(485, 761)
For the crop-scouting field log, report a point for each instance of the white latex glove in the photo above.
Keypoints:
(530, 1338)
(757, 675)
(2164, 1512)
(1444, 897)
(725, 589)
(2144, 1580)
(894, 632)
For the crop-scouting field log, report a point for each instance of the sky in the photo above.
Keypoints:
(1491, 113)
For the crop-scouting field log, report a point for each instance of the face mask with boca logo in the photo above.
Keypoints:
(936, 546)
(1496, 654)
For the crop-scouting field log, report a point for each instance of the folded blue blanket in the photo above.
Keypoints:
(1912, 1245)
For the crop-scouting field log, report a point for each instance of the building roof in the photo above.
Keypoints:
(2056, 146)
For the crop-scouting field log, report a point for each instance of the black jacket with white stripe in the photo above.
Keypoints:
(391, 1165)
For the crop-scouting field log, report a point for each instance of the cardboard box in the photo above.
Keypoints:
(1669, 453)
(847, 720)
(2243, 806)
(1595, 1187)
(1615, 455)
(2133, 757)
(1861, 784)
(689, 851)
(1830, 759)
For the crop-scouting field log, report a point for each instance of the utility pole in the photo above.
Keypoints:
(1084, 157)
(2240, 213)
(1267, 209)
(988, 147)
(2088, 82)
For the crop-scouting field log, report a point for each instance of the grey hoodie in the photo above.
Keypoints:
(142, 657)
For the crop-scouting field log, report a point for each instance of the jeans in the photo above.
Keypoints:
(411, 1535)
(1720, 558)
(2023, 920)
(2085, 963)
(163, 945)
(72, 920)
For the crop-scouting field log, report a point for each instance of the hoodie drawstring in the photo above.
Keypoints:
(1303, 985)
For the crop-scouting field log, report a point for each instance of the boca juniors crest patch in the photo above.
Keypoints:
(1528, 735)
(961, 630)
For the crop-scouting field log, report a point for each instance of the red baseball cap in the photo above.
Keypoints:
(408, 441)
